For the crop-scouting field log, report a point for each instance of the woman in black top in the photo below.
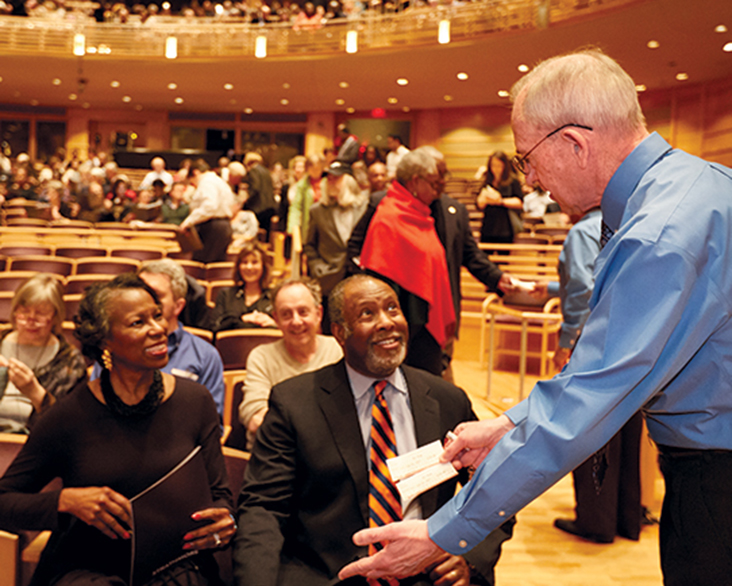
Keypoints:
(499, 196)
(111, 440)
(248, 303)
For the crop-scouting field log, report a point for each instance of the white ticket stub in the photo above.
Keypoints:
(419, 470)
(525, 286)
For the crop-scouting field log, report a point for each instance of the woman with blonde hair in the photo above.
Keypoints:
(38, 364)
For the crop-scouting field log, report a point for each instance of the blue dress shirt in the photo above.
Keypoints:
(659, 338)
(195, 359)
(576, 262)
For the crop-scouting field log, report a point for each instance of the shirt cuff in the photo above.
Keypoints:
(518, 413)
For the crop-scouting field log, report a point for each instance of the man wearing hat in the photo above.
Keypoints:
(332, 220)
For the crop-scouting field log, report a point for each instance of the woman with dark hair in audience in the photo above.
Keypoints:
(500, 197)
(248, 303)
(113, 439)
(38, 364)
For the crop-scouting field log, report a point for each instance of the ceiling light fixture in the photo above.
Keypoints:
(260, 47)
(352, 42)
(286, 86)
(79, 45)
(406, 109)
(172, 86)
(523, 68)
(727, 48)
(228, 86)
(462, 76)
(340, 102)
(402, 81)
(392, 100)
(72, 97)
(443, 32)
(720, 28)
(682, 76)
(178, 100)
(248, 110)
(34, 102)
(343, 85)
(171, 48)
(502, 94)
(126, 99)
(284, 101)
(56, 81)
(640, 88)
(350, 110)
(653, 44)
(114, 84)
(447, 98)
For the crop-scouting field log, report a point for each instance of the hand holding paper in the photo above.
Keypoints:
(419, 470)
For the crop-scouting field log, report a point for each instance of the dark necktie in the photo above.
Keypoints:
(599, 458)
(384, 501)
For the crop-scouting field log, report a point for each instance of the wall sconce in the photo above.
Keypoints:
(171, 48)
(260, 47)
(443, 32)
(351, 41)
(79, 45)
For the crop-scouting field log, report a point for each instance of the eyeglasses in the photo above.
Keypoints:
(26, 315)
(521, 162)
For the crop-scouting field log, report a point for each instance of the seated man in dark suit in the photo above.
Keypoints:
(307, 486)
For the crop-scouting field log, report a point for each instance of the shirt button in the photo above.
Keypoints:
(463, 544)
(501, 513)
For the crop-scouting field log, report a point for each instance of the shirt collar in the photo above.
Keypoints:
(360, 384)
(175, 338)
(624, 181)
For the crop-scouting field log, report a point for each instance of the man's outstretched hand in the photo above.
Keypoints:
(408, 551)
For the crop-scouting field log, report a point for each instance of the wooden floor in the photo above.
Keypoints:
(539, 554)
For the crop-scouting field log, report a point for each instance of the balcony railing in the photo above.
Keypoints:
(207, 38)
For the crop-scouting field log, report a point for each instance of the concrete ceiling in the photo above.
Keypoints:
(684, 30)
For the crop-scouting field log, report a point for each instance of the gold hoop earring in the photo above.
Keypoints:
(107, 359)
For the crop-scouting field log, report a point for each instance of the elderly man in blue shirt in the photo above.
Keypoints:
(659, 336)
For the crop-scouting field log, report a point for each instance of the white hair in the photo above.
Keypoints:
(585, 87)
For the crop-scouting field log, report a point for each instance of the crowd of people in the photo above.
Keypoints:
(301, 15)
(323, 413)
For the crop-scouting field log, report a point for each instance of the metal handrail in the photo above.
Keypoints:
(230, 37)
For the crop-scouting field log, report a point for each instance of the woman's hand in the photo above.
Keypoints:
(450, 570)
(217, 533)
(100, 507)
(488, 196)
(26, 382)
(259, 318)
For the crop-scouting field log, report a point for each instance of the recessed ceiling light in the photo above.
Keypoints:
(126, 99)
(402, 81)
(462, 76)
(34, 102)
(114, 83)
(73, 96)
(228, 86)
(406, 109)
(447, 98)
(286, 86)
(682, 76)
(284, 101)
(178, 100)
(86, 105)
(172, 86)
(523, 68)
(232, 101)
(392, 100)
(350, 110)
(502, 94)
(653, 44)
(727, 48)
(1, 79)
(720, 28)
(56, 81)
(343, 85)
(340, 102)
(248, 110)
(138, 107)
(640, 87)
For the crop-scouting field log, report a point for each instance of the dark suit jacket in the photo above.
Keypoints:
(324, 248)
(453, 228)
(306, 485)
(261, 192)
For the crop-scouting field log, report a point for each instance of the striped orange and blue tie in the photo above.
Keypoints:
(384, 501)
